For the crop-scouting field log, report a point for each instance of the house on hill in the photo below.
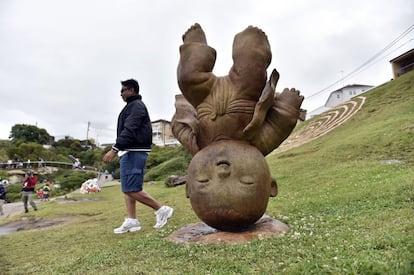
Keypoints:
(340, 96)
(162, 133)
(402, 63)
(346, 93)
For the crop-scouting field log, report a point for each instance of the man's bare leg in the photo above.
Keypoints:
(130, 206)
(142, 197)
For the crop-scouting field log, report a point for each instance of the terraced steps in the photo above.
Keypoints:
(323, 124)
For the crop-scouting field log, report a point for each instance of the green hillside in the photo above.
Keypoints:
(382, 129)
(347, 198)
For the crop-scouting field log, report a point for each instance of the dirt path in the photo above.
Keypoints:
(26, 222)
(29, 222)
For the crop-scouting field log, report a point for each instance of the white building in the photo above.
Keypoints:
(162, 134)
(340, 96)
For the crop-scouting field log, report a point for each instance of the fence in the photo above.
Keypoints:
(39, 164)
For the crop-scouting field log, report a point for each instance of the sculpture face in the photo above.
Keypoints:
(229, 185)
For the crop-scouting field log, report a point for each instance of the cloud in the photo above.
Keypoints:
(62, 61)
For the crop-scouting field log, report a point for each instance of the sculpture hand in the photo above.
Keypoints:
(290, 97)
(263, 105)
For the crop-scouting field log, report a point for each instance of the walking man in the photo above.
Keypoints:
(133, 144)
(29, 184)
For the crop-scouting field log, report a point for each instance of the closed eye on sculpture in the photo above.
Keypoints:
(202, 183)
(247, 180)
(203, 179)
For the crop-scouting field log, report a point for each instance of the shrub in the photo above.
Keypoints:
(175, 166)
(159, 155)
(73, 180)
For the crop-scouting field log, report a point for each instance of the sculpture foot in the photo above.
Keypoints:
(195, 34)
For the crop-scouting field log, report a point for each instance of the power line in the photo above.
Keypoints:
(366, 63)
(388, 54)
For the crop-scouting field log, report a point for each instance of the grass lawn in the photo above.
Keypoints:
(348, 212)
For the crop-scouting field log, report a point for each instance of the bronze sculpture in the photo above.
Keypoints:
(229, 124)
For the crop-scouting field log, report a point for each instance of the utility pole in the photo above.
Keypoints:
(87, 133)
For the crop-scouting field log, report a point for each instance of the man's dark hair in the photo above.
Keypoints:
(131, 83)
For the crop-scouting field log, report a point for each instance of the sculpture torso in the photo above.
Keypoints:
(223, 114)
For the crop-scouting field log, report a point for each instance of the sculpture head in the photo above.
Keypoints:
(229, 185)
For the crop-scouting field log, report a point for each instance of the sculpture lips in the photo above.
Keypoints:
(223, 163)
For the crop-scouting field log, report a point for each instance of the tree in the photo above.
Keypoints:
(30, 150)
(29, 133)
(3, 145)
(68, 146)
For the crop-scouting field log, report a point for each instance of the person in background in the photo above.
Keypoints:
(3, 193)
(46, 192)
(133, 144)
(29, 184)
(40, 194)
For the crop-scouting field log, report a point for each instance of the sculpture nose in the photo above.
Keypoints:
(223, 169)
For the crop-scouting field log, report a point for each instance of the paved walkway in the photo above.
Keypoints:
(13, 209)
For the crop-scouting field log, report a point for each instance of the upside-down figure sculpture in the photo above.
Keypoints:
(229, 124)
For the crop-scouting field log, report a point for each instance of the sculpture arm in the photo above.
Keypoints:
(262, 106)
(184, 125)
(280, 121)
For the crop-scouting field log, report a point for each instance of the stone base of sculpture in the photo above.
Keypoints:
(201, 233)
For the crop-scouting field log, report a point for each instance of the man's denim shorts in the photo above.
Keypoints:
(132, 171)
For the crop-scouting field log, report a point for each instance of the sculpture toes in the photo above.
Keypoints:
(194, 34)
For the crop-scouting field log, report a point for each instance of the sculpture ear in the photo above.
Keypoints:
(187, 191)
(273, 188)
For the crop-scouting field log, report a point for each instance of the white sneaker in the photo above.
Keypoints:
(128, 226)
(163, 214)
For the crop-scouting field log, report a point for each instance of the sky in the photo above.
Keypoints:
(61, 61)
